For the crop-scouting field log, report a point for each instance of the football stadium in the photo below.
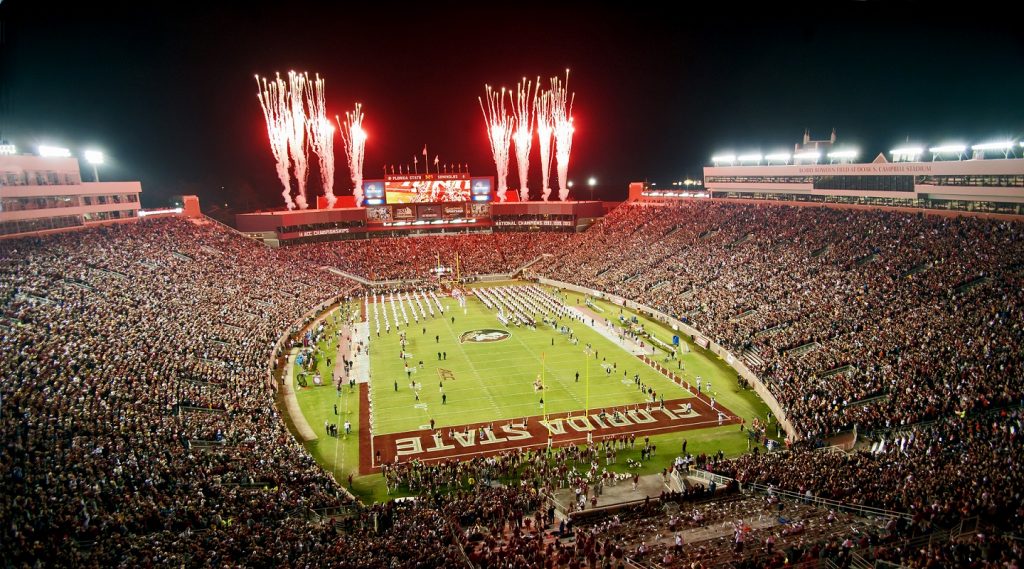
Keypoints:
(794, 357)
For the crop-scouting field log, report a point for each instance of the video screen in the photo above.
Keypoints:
(416, 189)
(481, 189)
(373, 193)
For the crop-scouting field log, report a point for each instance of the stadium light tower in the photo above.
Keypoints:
(94, 157)
(7, 148)
(1006, 146)
(948, 150)
(753, 158)
(723, 159)
(778, 158)
(809, 156)
(592, 182)
(842, 156)
(47, 151)
(906, 153)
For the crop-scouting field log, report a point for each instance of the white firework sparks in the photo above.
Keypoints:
(545, 129)
(561, 103)
(354, 136)
(499, 132)
(273, 96)
(523, 104)
(297, 149)
(321, 136)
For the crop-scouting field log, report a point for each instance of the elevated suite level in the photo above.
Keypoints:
(969, 185)
(43, 194)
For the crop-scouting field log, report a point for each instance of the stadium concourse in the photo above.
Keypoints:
(140, 429)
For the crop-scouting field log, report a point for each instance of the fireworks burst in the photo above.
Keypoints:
(273, 96)
(321, 136)
(297, 148)
(522, 136)
(561, 112)
(545, 128)
(354, 136)
(499, 132)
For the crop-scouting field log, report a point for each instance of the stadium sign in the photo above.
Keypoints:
(484, 336)
(481, 439)
(833, 169)
(535, 222)
(314, 232)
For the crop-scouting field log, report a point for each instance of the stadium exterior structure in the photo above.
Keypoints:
(991, 186)
(276, 228)
(44, 194)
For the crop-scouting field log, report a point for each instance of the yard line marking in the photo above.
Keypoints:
(494, 404)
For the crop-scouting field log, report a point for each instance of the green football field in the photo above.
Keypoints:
(494, 381)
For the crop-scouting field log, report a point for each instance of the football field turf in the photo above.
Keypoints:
(494, 380)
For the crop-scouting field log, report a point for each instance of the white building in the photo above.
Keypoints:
(44, 194)
(987, 185)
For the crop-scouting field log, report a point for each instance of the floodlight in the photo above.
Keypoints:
(54, 152)
(906, 153)
(94, 156)
(948, 149)
(1002, 145)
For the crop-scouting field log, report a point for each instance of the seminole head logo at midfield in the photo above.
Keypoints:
(486, 335)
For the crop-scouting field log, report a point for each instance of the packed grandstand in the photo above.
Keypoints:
(140, 426)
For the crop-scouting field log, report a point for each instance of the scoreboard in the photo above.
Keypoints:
(428, 213)
(426, 188)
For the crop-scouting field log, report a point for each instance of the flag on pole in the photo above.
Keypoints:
(424, 149)
(437, 160)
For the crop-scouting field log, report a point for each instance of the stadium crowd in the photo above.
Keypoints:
(412, 258)
(140, 428)
(953, 469)
(135, 397)
(875, 318)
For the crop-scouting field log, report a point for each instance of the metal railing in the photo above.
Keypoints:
(857, 509)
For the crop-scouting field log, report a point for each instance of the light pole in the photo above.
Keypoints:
(94, 157)
(592, 182)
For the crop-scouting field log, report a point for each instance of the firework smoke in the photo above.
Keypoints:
(321, 136)
(545, 129)
(354, 136)
(499, 132)
(273, 98)
(297, 149)
(561, 103)
(522, 136)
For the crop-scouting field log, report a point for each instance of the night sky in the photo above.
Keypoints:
(168, 93)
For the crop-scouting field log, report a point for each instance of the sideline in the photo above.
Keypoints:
(291, 402)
